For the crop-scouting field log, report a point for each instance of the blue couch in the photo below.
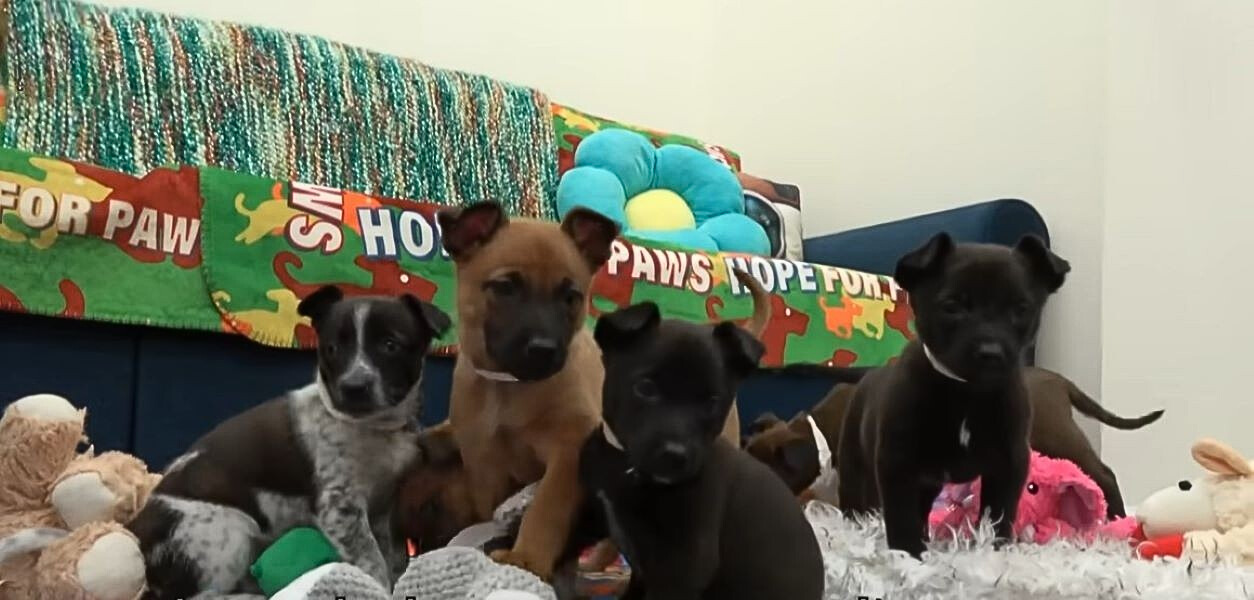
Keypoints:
(153, 391)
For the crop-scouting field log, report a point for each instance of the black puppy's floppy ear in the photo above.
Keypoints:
(592, 233)
(316, 305)
(741, 351)
(915, 266)
(624, 325)
(435, 320)
(464, 230)
(1047, 267)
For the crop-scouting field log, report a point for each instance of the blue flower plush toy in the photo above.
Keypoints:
(673, 194)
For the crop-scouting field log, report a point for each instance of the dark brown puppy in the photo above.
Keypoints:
(954, 406)
(1056, 434)
(433, 503)
(790, 448)
(801, 450)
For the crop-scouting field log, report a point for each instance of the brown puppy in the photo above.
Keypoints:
(433, 501)
(526, 387)
(527, 384)
(1055, 433)
(791, 450)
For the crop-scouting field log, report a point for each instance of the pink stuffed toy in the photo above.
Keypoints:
(1058, 500)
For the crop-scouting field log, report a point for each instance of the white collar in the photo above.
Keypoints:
(825, 450)
(610, 437)
(497, 376)
(940, 368)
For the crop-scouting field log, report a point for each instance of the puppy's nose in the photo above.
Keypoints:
(673, 456)
(355, 390)
(540, 349)
(990, 353)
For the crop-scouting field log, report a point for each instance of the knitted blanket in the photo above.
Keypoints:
(135, 90)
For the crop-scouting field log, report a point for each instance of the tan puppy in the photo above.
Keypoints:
(526, 387)
(527, 384)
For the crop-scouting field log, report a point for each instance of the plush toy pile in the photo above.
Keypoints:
(858, 563)
(61, 511)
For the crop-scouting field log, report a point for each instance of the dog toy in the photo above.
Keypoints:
(454, 573)
(295, 553)
(672, 194)
(1207, 519)
(61, 512)
(1058, 500)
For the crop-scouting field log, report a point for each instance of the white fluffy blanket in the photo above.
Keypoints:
(859, 564)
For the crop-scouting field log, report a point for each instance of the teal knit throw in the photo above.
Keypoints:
(133, 90)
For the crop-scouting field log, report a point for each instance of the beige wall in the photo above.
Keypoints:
(1126, 122)
(1177, 272)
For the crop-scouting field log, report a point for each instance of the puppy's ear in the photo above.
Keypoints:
(624, 325)
(592, 233)
(741, 351)
(316, 305)
(464, 230)
(435, 320)
(1047, 267)
(923, 261)
(801, 458)
(764, 421)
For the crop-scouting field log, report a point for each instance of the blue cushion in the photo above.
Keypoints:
(877, 248)
(188, 382)
(90, 364)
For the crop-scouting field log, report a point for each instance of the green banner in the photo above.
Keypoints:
(215, 250)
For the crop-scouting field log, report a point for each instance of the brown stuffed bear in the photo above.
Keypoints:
(61, 512)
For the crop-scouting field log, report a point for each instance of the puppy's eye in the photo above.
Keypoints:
(573, 297)
(506, 286)
(1033, 489)
(390, 346)
(1022, 310)
(645, 389)
(1185, 486)
(331, 349)
(954, 306)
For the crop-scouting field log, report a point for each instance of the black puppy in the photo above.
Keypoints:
(695, 517)
(954, 406)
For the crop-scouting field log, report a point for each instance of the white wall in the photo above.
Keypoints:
(1123, 121)
(1177, 271)
(879, 110)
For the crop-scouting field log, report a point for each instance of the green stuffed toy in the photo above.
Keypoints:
(295, 553)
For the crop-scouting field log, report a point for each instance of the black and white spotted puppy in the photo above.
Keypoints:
(328, 455)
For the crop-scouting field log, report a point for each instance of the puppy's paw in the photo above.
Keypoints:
(523, 561)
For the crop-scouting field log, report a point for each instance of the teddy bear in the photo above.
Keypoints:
(61, 511)
(1207, 519)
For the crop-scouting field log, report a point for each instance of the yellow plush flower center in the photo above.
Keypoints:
(659, 210)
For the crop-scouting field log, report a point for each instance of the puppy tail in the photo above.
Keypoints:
(761, 303)
(28, 540)
(1089, 407)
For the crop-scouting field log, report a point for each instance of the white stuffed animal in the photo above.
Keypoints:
(1213, 513)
